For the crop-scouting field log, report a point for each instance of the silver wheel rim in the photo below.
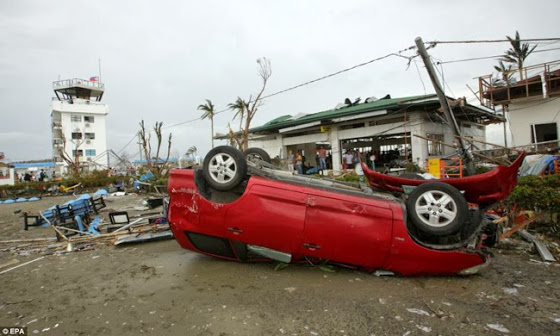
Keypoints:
(222, 168)
(436, 208)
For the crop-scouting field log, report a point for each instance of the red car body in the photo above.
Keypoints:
(309, 223)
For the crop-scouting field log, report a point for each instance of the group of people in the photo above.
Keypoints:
(298, 162)
(30, 176)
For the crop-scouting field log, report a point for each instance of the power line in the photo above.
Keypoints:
(492, 41)
(490, 57)
(398, 54)
(127, 144)
(420, 76)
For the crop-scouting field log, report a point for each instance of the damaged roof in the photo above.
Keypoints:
(460, 108)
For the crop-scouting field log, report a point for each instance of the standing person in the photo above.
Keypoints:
(349, 160)
(291, 161)
(41, 176)
(322, 152)
(372, 159)
(299, 163)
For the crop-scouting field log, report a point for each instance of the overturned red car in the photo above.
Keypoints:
(231, 211)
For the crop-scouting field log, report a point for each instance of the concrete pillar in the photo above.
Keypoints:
(419, 146)
(309, 150)
(336, 150)
(419, 150)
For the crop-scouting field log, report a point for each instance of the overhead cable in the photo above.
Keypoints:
(493, 41)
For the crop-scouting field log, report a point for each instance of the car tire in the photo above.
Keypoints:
(437, 208)
(224, 168)
(256, 153)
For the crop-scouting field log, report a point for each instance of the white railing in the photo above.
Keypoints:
(77, 101)
(77, 82)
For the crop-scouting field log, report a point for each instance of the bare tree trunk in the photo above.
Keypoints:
(71, 161)
(157, 130)
(146, 144)
(168, 147)
(212, 130)
(265, 71)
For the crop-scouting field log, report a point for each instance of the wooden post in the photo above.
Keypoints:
(467, 155)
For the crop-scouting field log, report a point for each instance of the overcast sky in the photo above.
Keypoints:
(161, 59)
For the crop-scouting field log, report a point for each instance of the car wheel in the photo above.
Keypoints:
(437, 208)
(257, 153)
(224, 168)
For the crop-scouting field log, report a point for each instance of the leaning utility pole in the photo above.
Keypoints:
(467, 155)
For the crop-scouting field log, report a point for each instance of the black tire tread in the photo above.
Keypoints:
(258, 152)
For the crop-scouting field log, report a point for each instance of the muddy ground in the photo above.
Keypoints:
(158, 288)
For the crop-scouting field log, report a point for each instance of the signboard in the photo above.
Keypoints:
(325, 129)
(434, 167)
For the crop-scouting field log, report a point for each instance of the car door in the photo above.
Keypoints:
(347, 229)
(269, 216)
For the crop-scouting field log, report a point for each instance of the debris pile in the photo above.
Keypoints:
(84, 223)
(519, 225)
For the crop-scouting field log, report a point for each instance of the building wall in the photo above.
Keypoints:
(7, 176)
(415, 125)
(63, 111)
(526, 113)
(272, 145)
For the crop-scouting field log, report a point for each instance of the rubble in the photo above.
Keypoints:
(539, 246)
(85, 223)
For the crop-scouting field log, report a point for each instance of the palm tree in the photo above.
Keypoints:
(505, 71)
(517, 53)
(240, 107)
(208, 109)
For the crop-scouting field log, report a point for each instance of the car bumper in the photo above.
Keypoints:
(476, 269)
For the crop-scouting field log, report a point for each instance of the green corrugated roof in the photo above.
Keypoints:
(381, 104)
(277, 120)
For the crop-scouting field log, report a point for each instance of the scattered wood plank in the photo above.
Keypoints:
(143, 237)
(129, 225)
(149, 228)
(54, 228)
(482, 142)
(18, 302)
(520, 223)
(34, 240)
(9, 263)
(20, 265)
(76, 231)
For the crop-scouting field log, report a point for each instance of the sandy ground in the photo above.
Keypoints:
(158, 288)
